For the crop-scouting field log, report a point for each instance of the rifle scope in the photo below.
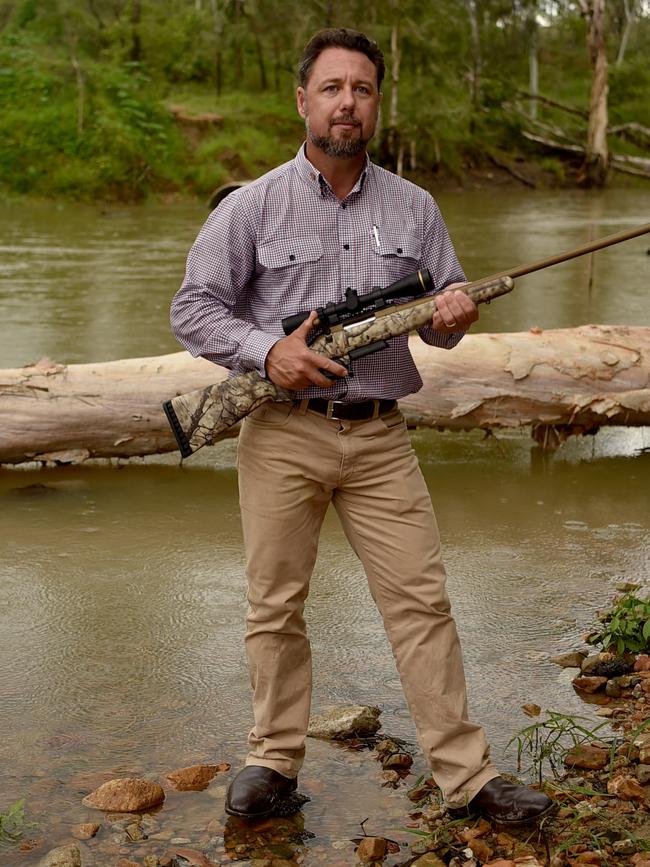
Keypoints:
(417, 283)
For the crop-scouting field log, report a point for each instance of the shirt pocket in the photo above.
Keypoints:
(397, 255)
(290, 252)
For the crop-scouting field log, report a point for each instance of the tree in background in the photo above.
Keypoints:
(465, 82)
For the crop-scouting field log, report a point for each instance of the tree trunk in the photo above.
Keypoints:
(594, 171)
(477, 62)
(394, 78)
(629, 10)
(533, 62)
(561, 382)
(136, 42)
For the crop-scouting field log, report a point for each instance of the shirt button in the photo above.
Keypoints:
(343, 205)
(346, 246)
(399, 250)
(292, 257)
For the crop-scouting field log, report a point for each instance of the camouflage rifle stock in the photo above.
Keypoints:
(199, 417)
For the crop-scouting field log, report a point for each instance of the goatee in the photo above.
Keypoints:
(334, 147)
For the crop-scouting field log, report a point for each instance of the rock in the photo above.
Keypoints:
(429, 859)
(527, 861)
(573, 659)
(626, 681)
(398, 762)
(501, 862)
(341, 723)
(481, 850)
(85, 831)
(643, 743)
(605, 711)
(480, 830)
(193, 857)
(642, 662)
(587, 756)
(418, 793)
(587, 666)
(624, 847)
(614, 666)
(386, 746)
(531, 709)
(626, 788)
(589, 684)
(125, 795)
(135, 833)
(612, 689)
(63, 856)
(371, 849)
(586, 858)
(196, 777)
(643, 774)
(126, 862)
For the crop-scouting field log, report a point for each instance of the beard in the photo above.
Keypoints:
(339, 148)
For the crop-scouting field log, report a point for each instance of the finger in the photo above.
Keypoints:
(302, 331)
(328, 364)
(445, 314)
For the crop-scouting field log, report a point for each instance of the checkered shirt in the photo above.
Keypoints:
(284, 244)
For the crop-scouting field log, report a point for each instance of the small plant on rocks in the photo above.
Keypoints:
(549, 740)
(625, 627)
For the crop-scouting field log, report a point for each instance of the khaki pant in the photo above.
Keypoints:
(292, 464)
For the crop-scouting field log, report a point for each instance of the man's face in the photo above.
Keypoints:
(340, 102)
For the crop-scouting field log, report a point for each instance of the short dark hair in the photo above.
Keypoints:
(341, 37)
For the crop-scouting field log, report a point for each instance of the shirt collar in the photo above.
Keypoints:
(315, 179)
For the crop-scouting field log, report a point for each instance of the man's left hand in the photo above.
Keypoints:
(456, 311)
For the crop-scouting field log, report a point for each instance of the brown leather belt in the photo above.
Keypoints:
(358, 411)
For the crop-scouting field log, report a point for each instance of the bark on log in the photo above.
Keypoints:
(559, 382)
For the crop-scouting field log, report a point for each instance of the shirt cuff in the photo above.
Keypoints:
(254, 349)
(436, 338)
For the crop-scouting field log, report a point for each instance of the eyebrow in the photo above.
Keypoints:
(334, 80)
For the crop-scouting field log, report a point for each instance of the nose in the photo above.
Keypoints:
(347, 100)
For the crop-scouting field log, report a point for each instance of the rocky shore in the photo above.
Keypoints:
(599, 778)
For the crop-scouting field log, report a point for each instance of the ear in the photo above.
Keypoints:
(301, 101)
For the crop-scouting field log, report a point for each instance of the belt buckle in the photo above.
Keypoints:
(330, 409)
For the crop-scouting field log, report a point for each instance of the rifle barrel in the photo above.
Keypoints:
(598, 244)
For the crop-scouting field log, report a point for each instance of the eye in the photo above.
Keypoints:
(330, 88)
(363, 89)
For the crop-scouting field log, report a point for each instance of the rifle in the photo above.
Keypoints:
(346, 331)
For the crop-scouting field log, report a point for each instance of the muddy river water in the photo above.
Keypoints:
(122, 591)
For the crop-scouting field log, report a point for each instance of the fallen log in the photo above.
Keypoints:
(558, 382)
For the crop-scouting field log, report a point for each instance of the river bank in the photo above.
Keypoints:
(598, 775)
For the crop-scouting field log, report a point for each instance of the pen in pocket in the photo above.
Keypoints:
(375, 232)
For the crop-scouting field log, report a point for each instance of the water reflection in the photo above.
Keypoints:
(102, 281)
(122, 597)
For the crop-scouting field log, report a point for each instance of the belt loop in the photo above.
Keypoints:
(302, 405)
(375, 412)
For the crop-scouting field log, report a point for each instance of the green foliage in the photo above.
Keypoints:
(59, 136)
(12, 822)
(85, 87)
(548, 741)
(626, 626)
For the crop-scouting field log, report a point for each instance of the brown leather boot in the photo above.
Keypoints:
(508, 803)
(257, 792)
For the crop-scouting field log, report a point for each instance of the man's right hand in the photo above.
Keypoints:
(291, 363)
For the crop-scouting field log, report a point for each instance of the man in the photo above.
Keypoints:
(294, 240)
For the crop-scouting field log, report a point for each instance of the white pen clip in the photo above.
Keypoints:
(375, 232)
